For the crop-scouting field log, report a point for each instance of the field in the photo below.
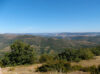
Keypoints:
(30, 69)
(87, 63)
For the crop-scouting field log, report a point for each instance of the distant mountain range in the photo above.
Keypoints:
(62, 34)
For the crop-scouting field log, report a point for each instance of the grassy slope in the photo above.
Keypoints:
(91, 62)
(31, 68)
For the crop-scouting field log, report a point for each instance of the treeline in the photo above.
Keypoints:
(76, 55)
(72, 55)
(22, 54)
(80, 54)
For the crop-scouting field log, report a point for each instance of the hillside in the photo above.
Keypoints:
(30, 69)
(48, 44)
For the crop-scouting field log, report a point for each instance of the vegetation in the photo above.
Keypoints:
(58, 65)
(76, 55)
(65, 67)
(91, 69)
(21, 53)
(48, 44)
(62, 63)
(85, 54)
(46, 58)
(96, 50)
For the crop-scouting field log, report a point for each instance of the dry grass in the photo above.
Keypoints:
(20, 69)
(79, 72)
(31, 68)
(87, 63)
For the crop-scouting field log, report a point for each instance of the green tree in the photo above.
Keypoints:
(76, 55)
(96, 50)
(21, 53)
(69, 55)
(85, 54)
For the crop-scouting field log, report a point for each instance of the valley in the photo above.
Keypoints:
(50, 44)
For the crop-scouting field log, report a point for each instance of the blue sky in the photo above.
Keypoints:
(38, 16)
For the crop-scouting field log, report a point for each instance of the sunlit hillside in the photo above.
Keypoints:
(30, 69)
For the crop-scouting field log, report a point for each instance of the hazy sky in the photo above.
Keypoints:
(24, 16)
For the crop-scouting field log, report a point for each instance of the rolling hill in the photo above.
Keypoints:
(50, 44)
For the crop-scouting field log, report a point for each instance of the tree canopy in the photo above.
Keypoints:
(21, 53)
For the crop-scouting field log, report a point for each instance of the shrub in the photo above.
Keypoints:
(88, 69)
(60, 66)
(6, 60)
(45, 58)
(69, 55)
(21, 53)
(85, 54)
(76, 55)
(96, 51)
(77, 67)
(99, 68)
(92, 69)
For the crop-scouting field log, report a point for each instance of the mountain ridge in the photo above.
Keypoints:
(59, 34)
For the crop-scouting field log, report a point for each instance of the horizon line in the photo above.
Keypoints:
(47, 32)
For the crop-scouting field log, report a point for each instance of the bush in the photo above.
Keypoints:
(92, 69)
(21, 53)
(45, 58)
(99, 68)
(6, 60)
(85, 54)
(77, 67)
(96, 51)
(88, 69)
(69, 55)
(76, 55)
(60, 66)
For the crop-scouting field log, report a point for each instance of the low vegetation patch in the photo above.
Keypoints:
(60, 66)
(91, 69)
(46, 58)
(63, 67)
